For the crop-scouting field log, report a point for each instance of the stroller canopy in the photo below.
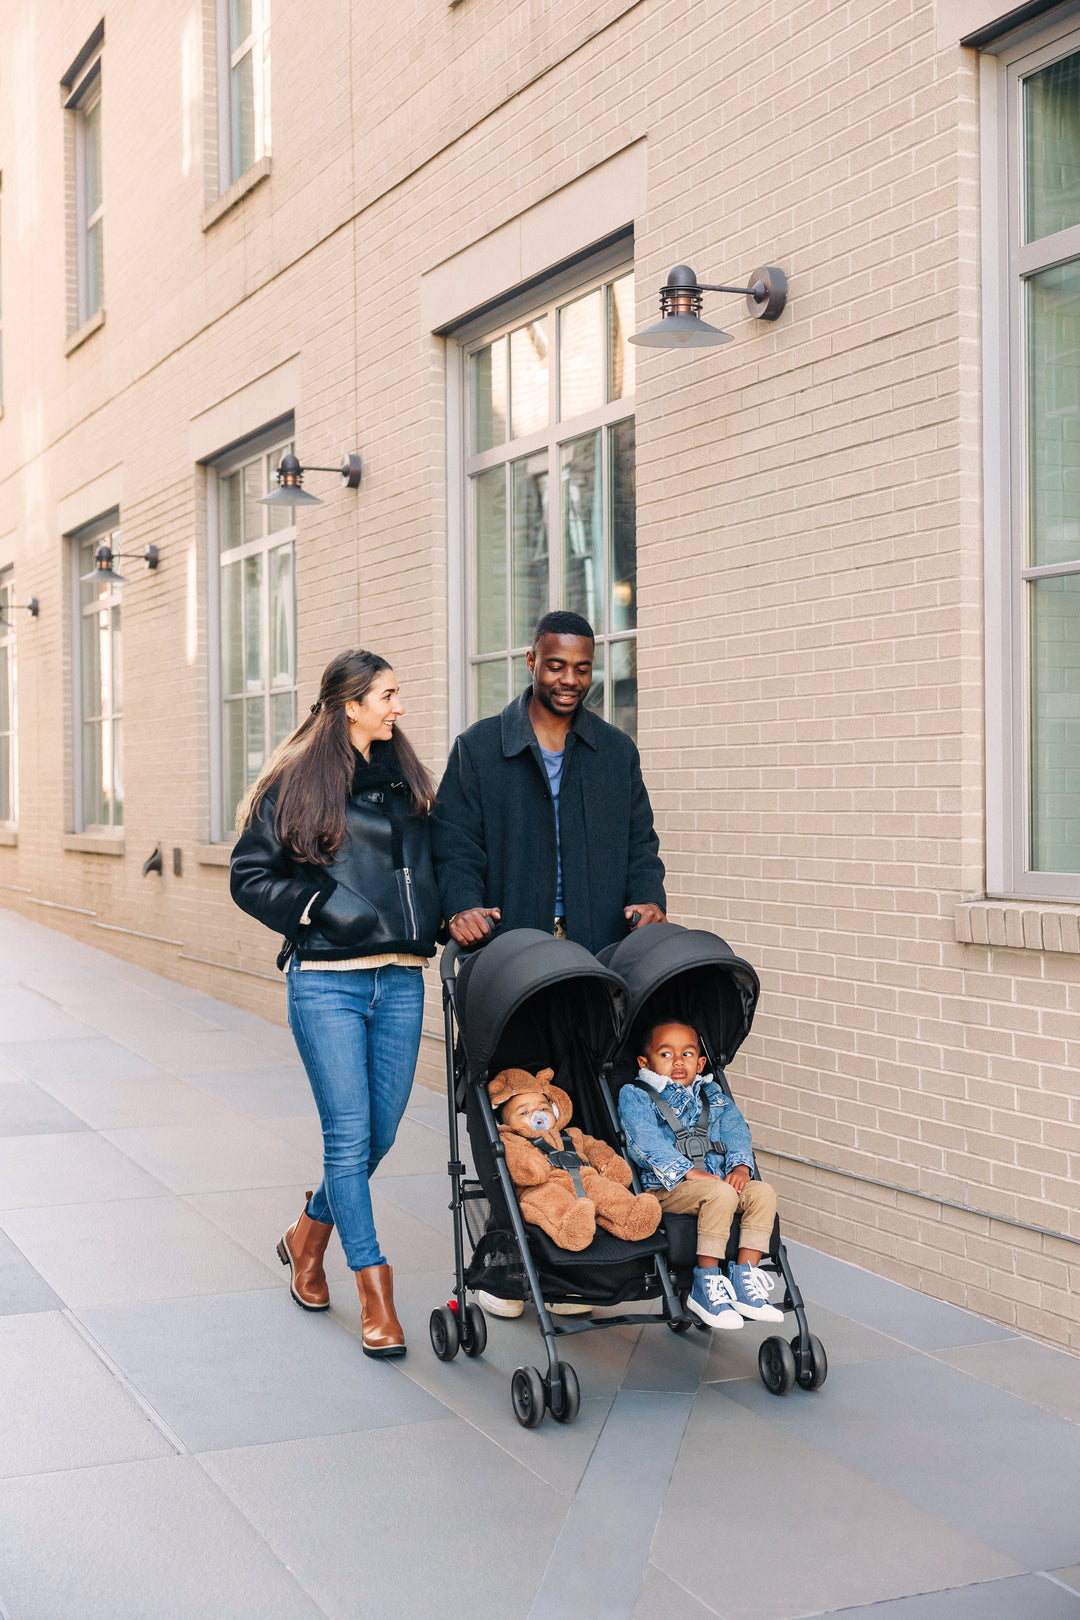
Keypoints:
(528, 998)
(686, 974)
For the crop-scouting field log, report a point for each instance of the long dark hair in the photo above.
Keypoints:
(313, 768)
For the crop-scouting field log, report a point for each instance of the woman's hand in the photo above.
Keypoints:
(472, 927)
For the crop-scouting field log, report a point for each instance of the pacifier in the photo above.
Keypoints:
(541, 1120)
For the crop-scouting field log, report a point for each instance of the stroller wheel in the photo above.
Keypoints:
(567, 1407)
(527, 1396)
(443, 1328)
(776, 1364)
(473, 1331)
(682, 1326)
(813, 1376)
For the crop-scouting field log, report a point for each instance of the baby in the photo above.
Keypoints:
(693, 1146)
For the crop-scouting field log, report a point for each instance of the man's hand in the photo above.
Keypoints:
(645, 914)
(472, 927)
(738, 1177)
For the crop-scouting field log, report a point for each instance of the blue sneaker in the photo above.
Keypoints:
(711, 1299)
(751, 1288)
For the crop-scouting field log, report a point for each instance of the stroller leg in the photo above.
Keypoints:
(794, 1300)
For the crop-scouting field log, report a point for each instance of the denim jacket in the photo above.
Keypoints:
(650, 1141)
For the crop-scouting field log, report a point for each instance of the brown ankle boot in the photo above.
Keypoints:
(302, 1249)
(382, 1333)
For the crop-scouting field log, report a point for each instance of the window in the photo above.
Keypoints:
(7, 699)
(243, 86)
(1, 308)
(257, 671)
(98, 665)
(550, 507)
(1034, 805)
(84, 106)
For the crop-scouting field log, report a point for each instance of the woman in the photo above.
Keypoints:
(334, 853)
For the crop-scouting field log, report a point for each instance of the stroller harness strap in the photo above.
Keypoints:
(692, 1142)
(565, 1158)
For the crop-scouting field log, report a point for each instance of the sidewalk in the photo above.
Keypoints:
(179, 1442)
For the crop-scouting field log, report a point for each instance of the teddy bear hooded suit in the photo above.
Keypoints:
(546, 1193)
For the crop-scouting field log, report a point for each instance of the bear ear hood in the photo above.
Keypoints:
(511, 1082)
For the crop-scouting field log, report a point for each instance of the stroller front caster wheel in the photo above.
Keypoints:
(776, 1364)
(473, 1331)
(815, 1374)
(681, 1327)
(443, 1328)
(527, 1396)
(567, 1405)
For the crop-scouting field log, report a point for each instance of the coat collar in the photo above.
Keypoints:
(518, 734)
(686, 1100)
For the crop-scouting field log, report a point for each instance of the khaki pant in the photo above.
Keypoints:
(714, 1203)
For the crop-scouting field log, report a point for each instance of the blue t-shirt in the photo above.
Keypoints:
(553, 764)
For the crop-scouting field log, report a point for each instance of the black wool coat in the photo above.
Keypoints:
(493, 828)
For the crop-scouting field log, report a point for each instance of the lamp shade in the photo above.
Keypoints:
(102, 569)
(289, 492)
(681, 332)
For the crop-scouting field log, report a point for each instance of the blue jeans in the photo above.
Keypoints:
(358, 1033)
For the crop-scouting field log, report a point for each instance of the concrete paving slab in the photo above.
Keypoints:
(232, 1370)
(152, 1540)
(417, 1151)
(426, 1196)
(191, 1159)
(21, 1287)
(27, 1110)
(846, 1539)
(64, 1409)
(734, 1355)
(1038, 1373)
(137, 1248)
(951, 1444)
(1068, 1577)
(91, 1057)
(274, 1092)
(142, 1099)
(128, 1018)
(662, 1599)
(301, 1132)
(369, 1521)
(67, 1167)
(915, 1319)
(1025, 1597)
(27, 1016)
(181, 1053)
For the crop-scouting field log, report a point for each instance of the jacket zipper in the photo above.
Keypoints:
(410, 909)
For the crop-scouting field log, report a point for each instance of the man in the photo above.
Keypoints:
(542, 821)
(542, 818)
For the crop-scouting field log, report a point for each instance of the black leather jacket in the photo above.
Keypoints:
(377, 895)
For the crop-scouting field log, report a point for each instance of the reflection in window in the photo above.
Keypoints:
(258, 622)
(244, 87)
(7, 699)
(552, 523)
(1052, 148)
(100, 687)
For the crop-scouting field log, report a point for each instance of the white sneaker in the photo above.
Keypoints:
(494, 1306)
(569, 1310)
(751, 1288)
(712, 1299)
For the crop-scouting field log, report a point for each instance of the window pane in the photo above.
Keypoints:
(620, 350)
(232, 642)
(1054, 414)
(243, 114)
(520, 679)
(116, 648)
(254, 739)
(254, 486)
(7, 812)
(622, 608)
(240, 22)
(1052, 148)
(530, 545)
(581, 356)
(90, 645)
(595, 699)
(92, 158)
(280, 517)
(95, 799)
(489, 688)
(253, 648)
(282, 617)
(529, 379)
(95, 270)
(1055, 724)
(89, 589)
(489, 560)
(583, 529)
(231, 533)
(235, 778)
(622, 657)
(488, 389)
(282, 716)
(116, 734)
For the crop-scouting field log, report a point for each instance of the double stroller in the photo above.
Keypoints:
(530, 1001)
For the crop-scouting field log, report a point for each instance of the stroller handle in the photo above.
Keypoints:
(448, 962)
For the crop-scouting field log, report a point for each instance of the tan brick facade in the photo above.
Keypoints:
(810, 527)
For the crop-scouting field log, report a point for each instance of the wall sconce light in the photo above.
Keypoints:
(104, 557)
(680, 325)
(33, 607)
(290, 476)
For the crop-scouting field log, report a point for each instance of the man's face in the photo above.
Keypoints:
(673, 1052)
(561, 670)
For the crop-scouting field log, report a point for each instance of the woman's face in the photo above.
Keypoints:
(372, 720)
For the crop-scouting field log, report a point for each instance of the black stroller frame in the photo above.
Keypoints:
(663, 971)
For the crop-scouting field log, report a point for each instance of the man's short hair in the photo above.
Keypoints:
(562, 623)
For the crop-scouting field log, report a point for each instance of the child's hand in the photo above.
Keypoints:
(738, 1177)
